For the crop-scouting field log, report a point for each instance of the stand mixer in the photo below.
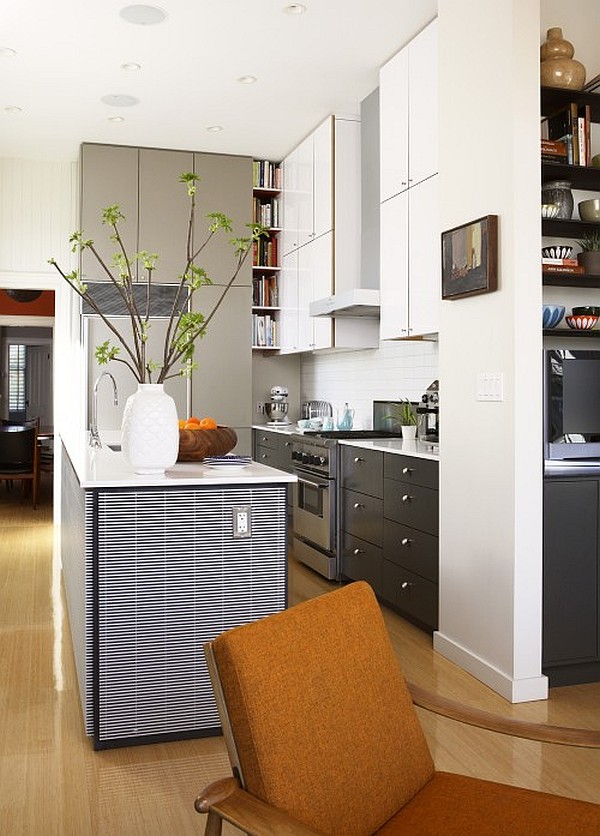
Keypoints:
(277, 407)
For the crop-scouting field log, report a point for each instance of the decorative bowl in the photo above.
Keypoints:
(586, 310)
(550, 210)
(552, 315)
(581, 323)
(589, 210)
(194, 445)
(557, 252)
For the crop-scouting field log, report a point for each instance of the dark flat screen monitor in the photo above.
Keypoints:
(571, 404)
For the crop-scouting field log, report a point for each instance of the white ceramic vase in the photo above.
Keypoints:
(409, 432)
(149, 431)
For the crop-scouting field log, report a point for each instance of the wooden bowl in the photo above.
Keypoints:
(194, 445)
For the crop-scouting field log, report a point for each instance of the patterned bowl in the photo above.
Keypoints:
(581, 323)
(557, 252)
(552, 315)
(550, 210)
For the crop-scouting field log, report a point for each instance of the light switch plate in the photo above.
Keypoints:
(490, 386)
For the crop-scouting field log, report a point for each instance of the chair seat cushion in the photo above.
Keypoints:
(456, 805)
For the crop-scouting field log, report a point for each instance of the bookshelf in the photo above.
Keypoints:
(557, 104)
(266, 269)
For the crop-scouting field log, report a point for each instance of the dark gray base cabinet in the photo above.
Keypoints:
(389, 528)
(571, 586)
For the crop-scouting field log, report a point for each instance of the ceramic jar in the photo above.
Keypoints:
(559, 192)
(149, 431)
(558, 67)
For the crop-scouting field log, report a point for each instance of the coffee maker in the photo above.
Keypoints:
(277, 407)
(428, 412)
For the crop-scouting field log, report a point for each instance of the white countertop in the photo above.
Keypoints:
(420, 449)
(106, 468)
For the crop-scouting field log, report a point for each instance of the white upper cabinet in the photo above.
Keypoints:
(307, 189)
(408, 86)
(321, 181)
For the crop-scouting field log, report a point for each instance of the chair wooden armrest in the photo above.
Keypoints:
(225, 800)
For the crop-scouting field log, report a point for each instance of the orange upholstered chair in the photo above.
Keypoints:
(323, 738)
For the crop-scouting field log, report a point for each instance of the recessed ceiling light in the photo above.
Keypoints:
(143, 15)
(131, 66)
(119, 100)
(213, 129)
(116, 119)
(247, 79)
(7, 52)
(13, 109)
(295, 9)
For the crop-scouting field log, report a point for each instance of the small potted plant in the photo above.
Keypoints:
(589, 257)
(408, 420)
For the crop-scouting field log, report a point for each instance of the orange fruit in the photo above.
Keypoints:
(191, 425)
(193, 420)
(182, 422)
(208, 424)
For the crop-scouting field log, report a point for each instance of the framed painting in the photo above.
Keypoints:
(470, 258)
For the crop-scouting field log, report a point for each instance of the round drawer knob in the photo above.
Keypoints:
(358, 505)
(407, 470)
(405, 585)
(358, 459)
(405, 541)
(358, 551)
(407, 498)
(264, 456)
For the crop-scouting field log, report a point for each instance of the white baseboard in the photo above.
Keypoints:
(513, 690)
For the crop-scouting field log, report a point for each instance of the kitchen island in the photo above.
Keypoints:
(153, 568)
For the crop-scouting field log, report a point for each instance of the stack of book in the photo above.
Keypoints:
(561, 265)
(266, 175)
(266, 212)
(265, 293)
(264, 331)
(566, 135)
(264, 252)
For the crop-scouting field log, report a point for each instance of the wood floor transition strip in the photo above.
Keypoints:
(543, 732)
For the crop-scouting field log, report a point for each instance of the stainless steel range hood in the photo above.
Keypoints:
(357, 302)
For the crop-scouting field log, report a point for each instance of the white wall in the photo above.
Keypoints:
(491, 468)
(395, 370)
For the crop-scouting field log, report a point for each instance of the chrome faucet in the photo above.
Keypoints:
(94, 436)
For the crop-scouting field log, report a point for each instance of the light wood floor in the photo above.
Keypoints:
(53, 783)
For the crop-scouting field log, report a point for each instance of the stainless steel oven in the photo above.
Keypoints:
(314, 507)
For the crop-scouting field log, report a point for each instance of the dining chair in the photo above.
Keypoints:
(323, 738)
(19, 457)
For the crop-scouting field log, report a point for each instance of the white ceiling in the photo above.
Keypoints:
(69, 54)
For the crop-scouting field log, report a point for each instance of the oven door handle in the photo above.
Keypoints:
(318, 485)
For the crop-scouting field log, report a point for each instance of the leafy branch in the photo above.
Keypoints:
(185, 325)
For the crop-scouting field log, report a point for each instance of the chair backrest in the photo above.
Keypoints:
(322, 721)
(18, 448)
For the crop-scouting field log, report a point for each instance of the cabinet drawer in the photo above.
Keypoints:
(410, 594)
(411, 548)
(269, 456)
(411, 469)
(411, 505)
(361, 561)
(362, 516)
(362, 470)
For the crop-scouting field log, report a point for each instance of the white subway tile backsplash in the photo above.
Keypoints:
(396, 370)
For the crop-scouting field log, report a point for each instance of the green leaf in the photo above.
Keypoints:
(78, 242)
(148, 260)
(112, 215)
(106, 352)
(219, 221)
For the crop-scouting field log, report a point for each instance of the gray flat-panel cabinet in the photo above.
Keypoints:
(361, 515)
(164, 210)
(109, 175)
(571, 588)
